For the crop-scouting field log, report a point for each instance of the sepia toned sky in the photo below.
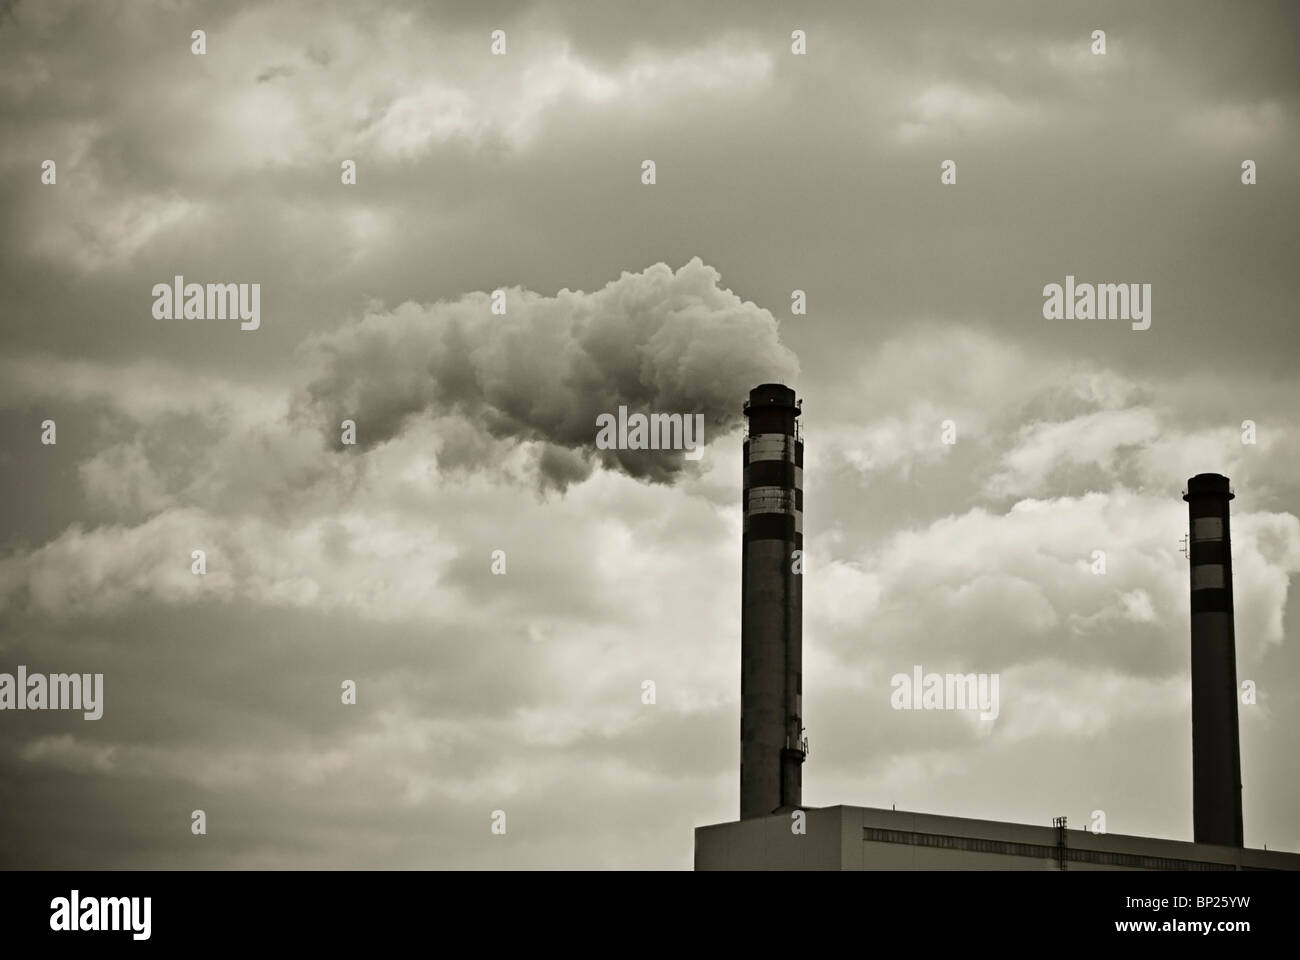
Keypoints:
(522, 172)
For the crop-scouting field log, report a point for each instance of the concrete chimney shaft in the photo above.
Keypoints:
(1216, 747)
(772, 747)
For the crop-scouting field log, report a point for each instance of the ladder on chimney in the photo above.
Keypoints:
(1062, 856)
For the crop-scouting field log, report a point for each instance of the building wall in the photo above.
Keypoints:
(837, 839)
(766, 843)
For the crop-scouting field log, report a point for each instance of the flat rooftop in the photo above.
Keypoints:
(869, 838)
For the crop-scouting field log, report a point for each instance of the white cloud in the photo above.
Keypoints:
(948, 109)
(1090, 439)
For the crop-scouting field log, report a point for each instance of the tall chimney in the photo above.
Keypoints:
(772, 748)
(1216, 750)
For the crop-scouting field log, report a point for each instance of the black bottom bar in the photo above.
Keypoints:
(332, 910)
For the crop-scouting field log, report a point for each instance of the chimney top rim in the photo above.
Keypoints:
(1209, 484)
(775, 396)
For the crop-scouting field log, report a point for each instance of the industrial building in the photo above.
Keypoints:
(866, 838)
(775, 832)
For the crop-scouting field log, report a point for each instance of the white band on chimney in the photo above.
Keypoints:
(770, 500)
(1207, 576)
(1207, 528)
(771, 446)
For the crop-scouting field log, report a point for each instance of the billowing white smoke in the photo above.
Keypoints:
(658, 341)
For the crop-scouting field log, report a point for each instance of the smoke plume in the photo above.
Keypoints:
(658, 341)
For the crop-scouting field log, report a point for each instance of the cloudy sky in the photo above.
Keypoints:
(774, 172)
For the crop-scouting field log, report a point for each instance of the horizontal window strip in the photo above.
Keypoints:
(1036, 851)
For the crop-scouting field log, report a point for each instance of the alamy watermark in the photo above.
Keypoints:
(179, 300)
(658, 431)
(948, 691)
(76, 913)
(58, 691)
(1102, 301)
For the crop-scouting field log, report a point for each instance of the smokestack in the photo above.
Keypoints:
(1216, 750)
(772, 747)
